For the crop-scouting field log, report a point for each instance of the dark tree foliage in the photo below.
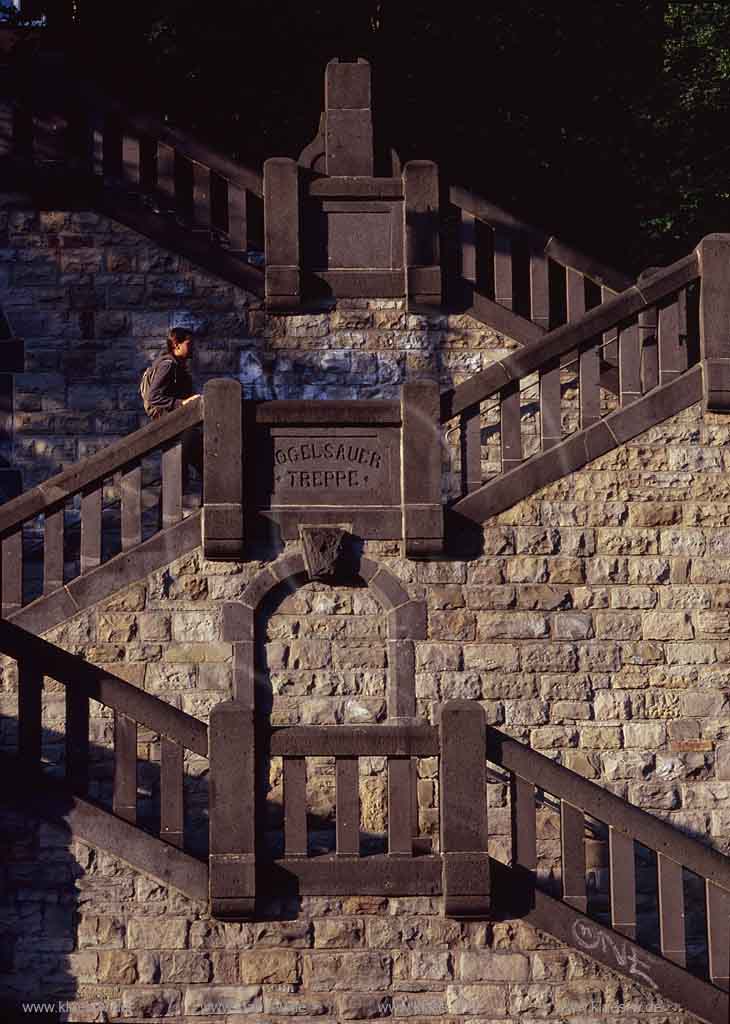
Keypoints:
(603, 122)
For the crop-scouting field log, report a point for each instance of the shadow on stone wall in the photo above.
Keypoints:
(38, 912)
(54, 887)
(318, 697)
(51, 881)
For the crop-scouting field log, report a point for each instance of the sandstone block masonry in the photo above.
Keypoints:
(594, 626)
(94, 300)
(104, 943)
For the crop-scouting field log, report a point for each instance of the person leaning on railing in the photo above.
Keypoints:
(170, 387)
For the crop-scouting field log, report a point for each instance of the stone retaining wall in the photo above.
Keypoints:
(94, 300)
(106, 943)
(595, 627)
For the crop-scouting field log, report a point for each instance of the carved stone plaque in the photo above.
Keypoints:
(340, 466)
(349, 473)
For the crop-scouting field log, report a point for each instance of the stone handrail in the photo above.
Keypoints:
(87, 479)
(505, 272)
(599, 803)
(531, 775)
(132, 708)
(79, 127)
(610, 314)
(666, 342)
(87, 94)
(550, 246)
(178, 139)
(92, 682)
(96, 467)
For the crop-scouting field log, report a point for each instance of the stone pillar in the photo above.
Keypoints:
(466, 872)
(714, 258)
(423, 516)
(232, 858)
(348, 119)
(222, 525)
(281, 224)
(421, 232)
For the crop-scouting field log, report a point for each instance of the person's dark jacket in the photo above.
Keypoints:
(170, 383)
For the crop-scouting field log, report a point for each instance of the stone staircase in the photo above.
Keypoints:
(601, 361)
(454, 865)
(656, 381)
(82, 148)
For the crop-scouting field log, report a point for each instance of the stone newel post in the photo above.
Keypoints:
(222, 525)
(714, 257)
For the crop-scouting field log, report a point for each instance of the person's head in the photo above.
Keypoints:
(180, 342)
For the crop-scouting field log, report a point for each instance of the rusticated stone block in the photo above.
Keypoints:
(629, 764)
(667, 626)
(653, 514)
(555, 657)
(541, 597)
(116, 627)
(286, 934)
(524, 569)
(722, 761)
(633, 597)
(566, 570)
(627, 542)
(484, 1000)
(438, 657)
(196, 626)
(569, 710)
(511, 625)
(305, 654)
(590, 597)
(618, 625)
(117, 967)
(103, 932)
(645, 735)
(537, 540)
(525, 712)
(481, 598)
(154, 626)
(269, 967)
(221, 999)
(158, 933)
(419, 1005)
(600, 737)
(446, 598)
(441, 572)
(185, 967)
(572, 626)
(155, 1003)
(491, 656)
(456, 625)
(499, 540)
(360, 972)
(587, 765)
(655, 795)
(487, 966)
(339, 933)
(220, 935)
(355, 656)
(713, 624)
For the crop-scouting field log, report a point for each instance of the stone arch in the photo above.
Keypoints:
(405, 618)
